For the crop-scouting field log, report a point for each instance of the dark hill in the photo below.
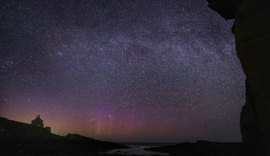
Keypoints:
(18, 138)
(13, 131)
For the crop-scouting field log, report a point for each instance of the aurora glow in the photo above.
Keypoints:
(121, 70)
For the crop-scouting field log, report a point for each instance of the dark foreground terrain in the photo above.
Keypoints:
(22, 139)
(201, 148)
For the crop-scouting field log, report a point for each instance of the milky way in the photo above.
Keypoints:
(121, 70)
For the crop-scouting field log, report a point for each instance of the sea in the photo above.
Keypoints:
(139, 149)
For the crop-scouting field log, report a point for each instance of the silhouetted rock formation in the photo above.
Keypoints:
(252, 34)
(12, 130)
(77, 137)
(18, 138)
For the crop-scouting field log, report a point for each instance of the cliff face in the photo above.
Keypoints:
(18, 138)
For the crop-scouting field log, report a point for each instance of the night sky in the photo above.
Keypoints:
(121, 70)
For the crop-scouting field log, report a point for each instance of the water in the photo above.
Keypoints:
(137, 149)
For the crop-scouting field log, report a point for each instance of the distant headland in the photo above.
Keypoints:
(17, 138)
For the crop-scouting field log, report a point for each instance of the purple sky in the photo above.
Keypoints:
(121, 70)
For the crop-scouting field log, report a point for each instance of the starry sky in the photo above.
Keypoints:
(121, 70)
